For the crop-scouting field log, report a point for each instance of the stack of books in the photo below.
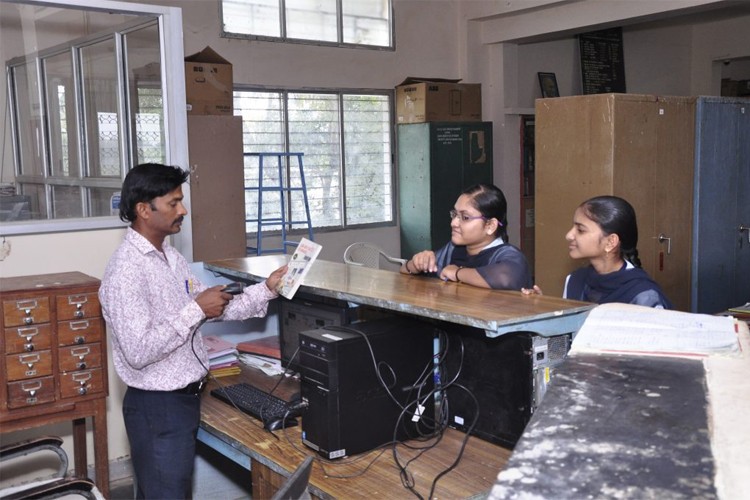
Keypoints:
(263, 353)
(223, 358)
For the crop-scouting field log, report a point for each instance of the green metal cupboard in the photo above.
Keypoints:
(436, 161)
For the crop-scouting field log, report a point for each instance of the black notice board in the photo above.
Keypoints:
(602, 61)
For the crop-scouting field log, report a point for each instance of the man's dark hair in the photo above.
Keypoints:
(145, 182)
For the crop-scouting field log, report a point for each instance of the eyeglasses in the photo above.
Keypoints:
(462, 217)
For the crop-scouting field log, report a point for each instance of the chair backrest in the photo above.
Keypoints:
(369, 255)
(295, 486)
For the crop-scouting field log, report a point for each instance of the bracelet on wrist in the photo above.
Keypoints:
(407, 267)
(457, 270)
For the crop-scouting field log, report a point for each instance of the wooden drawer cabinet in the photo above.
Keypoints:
(54, 360)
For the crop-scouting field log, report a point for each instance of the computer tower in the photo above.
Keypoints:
(306, 313)
(349, 410)
(506, 375)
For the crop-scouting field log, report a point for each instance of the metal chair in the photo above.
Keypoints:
(369, 255)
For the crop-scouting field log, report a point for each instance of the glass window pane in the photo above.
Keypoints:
(66, 202)
(101, 201)
(37, 194)
(368, 159)
(367, 22)
(314, 130)
(262, 132)
(311, 20)
(100, 88)
(63, 131)
(143, 59)
(252, 17)
(29, 119)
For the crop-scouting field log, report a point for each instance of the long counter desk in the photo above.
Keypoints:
(495, 311)
(271, 459)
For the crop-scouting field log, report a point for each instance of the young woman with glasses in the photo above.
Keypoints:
(606, 233)
(479, 253)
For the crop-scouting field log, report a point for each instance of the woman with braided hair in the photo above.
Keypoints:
(605, 232)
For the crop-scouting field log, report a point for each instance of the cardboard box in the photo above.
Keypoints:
(208, 84)
(420, 100)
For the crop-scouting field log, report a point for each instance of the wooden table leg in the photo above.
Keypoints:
(265, 481)
(101, 453)
(80, 461)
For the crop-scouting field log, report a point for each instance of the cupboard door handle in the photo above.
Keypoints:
(662, 238)
(744, 228)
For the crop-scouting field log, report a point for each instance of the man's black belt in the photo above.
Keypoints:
(194, 388)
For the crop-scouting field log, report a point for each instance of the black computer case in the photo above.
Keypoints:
(507, 375)
(349, 411)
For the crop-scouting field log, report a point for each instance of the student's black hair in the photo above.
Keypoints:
(491, 203)
(145, 182)
(616, 216)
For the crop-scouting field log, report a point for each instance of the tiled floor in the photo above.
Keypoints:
(216, 477)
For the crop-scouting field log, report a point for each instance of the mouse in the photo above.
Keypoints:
(279, 423)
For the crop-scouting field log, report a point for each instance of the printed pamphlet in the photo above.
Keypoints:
(300, 263)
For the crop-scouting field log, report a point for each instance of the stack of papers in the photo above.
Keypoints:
(268, 366)
(631, 329)
(222, 356)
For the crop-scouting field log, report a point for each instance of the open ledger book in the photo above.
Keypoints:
(631, 329)
(300, 263)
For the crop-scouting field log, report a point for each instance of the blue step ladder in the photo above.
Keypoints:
(276, 185)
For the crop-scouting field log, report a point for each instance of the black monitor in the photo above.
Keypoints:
(295, 487)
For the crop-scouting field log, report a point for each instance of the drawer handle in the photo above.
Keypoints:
(79, 325)
(29, 359)
(28, 320)
(27, 305)
(81, 352)
(79, 313)
(28, 347)
(29, 333)
(81, 378)
(82, 390)
(31, 387)
(80, 340)
(77, 300)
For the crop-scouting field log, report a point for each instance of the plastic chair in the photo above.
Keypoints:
(369, 255)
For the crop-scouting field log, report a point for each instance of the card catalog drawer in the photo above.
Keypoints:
(82, 331)
(26, 311)
(31, 392)
(28, 365)
(78, 306)
(28, 338)
(77, 384)
(79, 357)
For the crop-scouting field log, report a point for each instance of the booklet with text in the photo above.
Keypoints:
(300, 263)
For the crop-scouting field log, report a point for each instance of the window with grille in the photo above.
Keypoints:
(346, 141)
(365, 23)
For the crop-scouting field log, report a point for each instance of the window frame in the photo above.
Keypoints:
(285, 39)
(169, 21)
(340, 93)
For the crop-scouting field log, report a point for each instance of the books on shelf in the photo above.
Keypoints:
(631, 329)
(300, 263)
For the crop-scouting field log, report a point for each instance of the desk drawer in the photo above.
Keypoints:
(28, 338)
(26, 311)
(31, 392)
(79, 357)
(78, 306)
(77, 384)
(28, 365)
(84, 331)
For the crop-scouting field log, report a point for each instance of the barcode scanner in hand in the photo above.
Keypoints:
(233, 288)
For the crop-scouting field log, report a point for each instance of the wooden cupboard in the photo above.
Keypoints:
(638, 147)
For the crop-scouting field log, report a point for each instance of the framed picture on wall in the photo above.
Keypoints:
(548, 84)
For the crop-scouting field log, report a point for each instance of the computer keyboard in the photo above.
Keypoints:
(257, 403)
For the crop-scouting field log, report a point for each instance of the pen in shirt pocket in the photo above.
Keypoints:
(189, 287)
